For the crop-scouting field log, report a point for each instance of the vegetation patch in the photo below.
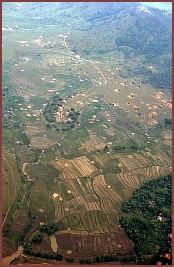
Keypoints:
(147, 218)
(63, 119)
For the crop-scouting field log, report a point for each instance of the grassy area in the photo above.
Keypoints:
(11, 184)
(40, 171)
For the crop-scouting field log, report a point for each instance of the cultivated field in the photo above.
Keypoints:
(79, 244)
(11, 183)
(78, 167)
(77, 177)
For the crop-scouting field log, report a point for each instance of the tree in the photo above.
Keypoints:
(59, 257)
(72, 125)
(98, 258)
(82, 261)
(106, 148)
(37, 239)
(78, 113)
(125, 259)
(88, 261)
(85, 261)
(143, 208)
(168, 121)
(69, 260)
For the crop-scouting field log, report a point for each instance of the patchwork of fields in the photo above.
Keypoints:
(76, 177)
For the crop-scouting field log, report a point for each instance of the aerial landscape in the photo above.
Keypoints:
(86, 133)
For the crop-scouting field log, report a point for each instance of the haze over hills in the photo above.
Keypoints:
(128, 27)
(86, 132)
(160, 5)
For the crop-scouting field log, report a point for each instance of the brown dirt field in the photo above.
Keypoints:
(121, 178)
(43, 247)
(41, 142)
(77, 167)
(108, 196)
(133, 163)
(64, 168)
(58, 208)
(8, 247)
(19, 224)
(83, 246)
(106, 205)
(98, 160)
(38, 141)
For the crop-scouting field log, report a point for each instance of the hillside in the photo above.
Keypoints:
(142, 34)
